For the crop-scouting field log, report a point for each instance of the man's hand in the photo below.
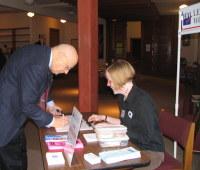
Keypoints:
(60, 121)
(54, 110)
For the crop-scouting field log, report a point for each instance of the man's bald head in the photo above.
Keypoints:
(64, 57)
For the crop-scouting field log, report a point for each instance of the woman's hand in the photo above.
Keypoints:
(96, 118)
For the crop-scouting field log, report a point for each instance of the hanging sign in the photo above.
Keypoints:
(190, 18)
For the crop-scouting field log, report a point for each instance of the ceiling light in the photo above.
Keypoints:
(182, 6)
(63, 21)
(30, 14)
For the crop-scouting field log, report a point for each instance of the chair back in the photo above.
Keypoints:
(181, 131)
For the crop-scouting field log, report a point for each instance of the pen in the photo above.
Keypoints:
(59, 111)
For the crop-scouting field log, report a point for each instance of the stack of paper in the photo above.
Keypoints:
(118, 155)
(55, 138)
(110, 135)
(110, 131)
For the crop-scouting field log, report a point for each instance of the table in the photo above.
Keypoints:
(78, 162)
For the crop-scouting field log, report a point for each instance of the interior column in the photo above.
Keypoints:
(88, 55)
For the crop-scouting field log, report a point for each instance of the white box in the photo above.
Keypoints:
(55, 158)
(92, 158)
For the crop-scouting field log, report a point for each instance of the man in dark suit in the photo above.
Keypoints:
(23, 80)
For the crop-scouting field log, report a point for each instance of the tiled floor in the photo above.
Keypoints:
(65, 93)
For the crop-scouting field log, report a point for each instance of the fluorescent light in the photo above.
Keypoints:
(63, 21)
(30, 14)
(182, 6)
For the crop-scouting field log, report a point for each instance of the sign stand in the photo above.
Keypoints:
(189, 23)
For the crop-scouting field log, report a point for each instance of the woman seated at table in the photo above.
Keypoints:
(138, 112)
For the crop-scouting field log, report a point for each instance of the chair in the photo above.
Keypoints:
(182, 131)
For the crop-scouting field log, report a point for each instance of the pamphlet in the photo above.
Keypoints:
(118, 155)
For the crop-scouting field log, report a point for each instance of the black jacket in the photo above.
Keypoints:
(139, 115)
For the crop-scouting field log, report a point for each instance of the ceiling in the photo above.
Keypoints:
(111, 9)
(140, 9)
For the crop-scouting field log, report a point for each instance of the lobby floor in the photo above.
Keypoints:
(65, 94)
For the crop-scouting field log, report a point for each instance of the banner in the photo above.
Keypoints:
(190, 18)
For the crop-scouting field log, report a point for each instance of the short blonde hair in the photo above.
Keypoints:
(121, 72)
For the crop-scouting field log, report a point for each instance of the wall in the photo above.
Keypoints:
(7, 34)
(42, 24)
(7, 20)
(165, 37)
(191, 52)
(39, 25)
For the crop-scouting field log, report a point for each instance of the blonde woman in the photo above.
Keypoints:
(138, 112)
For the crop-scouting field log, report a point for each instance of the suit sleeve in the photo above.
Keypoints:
(31, 83)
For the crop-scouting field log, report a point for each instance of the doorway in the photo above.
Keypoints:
(54, 37)
(135, 47)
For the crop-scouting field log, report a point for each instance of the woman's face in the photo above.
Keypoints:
(110, 84)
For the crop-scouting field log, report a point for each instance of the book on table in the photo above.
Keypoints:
(55, 138)
(60, 146)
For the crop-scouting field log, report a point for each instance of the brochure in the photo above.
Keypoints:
(118, 155)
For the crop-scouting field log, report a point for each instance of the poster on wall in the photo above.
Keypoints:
(148, 47)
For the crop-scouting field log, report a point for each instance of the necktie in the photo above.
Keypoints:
(43, 99)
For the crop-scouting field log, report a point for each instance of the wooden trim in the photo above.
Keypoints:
(188, 152)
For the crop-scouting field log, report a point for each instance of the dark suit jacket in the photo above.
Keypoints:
(23, 80)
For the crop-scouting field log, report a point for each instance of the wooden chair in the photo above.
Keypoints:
(182, 131)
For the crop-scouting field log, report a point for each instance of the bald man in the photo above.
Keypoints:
(23, 80)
